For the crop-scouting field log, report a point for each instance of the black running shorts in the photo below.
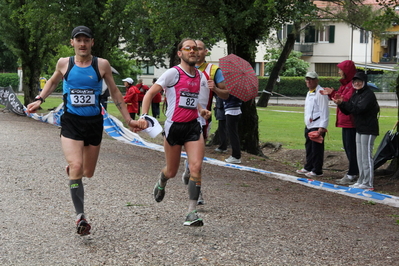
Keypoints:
(89, 129)
(180, 133)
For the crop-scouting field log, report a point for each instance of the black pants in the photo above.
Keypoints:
(349, 142)
(314, 153)
(222, 134)
(155, 110)
(232, 132)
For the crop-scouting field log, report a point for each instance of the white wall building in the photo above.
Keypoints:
(323, 47)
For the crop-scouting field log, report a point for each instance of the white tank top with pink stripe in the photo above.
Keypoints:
(183, 93)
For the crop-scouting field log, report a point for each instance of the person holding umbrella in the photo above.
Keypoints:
(365, 109)
(242, 83)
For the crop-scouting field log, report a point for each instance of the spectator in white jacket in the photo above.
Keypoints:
(316, 122)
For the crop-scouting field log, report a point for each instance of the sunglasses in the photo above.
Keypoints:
(188, 48)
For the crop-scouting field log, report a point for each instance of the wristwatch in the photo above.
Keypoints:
(38, 98)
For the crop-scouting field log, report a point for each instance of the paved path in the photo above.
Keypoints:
(250, 219)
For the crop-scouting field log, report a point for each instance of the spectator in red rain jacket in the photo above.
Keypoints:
(131, 97)
(347, 71)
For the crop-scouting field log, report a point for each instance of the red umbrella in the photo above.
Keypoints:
(240, 77)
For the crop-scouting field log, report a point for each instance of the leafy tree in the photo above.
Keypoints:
(8, 61)
(30, 29)
(293, 67)
(160, 25)
(243, 24)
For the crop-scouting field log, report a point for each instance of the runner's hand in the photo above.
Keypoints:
(33, 106)
(206, 114)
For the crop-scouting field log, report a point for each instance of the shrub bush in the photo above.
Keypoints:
(9, 79)
(295, 86)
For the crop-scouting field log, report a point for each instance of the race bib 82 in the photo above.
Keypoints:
(188, 100)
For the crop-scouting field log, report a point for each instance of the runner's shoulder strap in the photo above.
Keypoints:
(94, 64)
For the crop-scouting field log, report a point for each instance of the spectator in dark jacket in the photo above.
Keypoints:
(364, 107)
(347, 71)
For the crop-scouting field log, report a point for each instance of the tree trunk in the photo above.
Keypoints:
(248, 129)
(288, 46)
(30, 87)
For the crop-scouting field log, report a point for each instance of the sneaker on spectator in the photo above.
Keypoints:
(192, 219)
(366, 187)
(220, 150)
(232, 159)
(356, 185)
(311, 174)
(186, 174)
(347, 180)
(302, 171)
(82, 226)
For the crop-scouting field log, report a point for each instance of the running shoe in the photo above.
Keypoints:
(355, 185)
(82, 226)
(159, 192)
(366, 187)
(192, 219)
(220, 150)
(302, 171)
(312, 174)
(200, 200)
(347, 180)
(362, 186)
(186, 174)
(232, 159)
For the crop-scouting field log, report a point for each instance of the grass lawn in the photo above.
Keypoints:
(283, 124)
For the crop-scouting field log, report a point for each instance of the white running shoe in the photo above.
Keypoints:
(231, 159)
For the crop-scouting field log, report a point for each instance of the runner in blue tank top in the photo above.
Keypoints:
(82, 121)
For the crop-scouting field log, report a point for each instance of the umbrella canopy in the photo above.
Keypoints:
(388, 149)
(240, 77)
(114, 71)
(372, 86)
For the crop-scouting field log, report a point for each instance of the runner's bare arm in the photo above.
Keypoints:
(51, 84)
(116, 95)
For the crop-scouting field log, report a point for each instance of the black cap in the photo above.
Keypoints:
(82, 30)
(360, 75)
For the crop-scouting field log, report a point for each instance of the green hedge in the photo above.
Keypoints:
(295, 86)
(7, 79)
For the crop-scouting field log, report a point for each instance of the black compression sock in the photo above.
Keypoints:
(77, 194)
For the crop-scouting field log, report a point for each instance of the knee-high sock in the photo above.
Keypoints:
(77, 194)
(162, 179)
(194, 189)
